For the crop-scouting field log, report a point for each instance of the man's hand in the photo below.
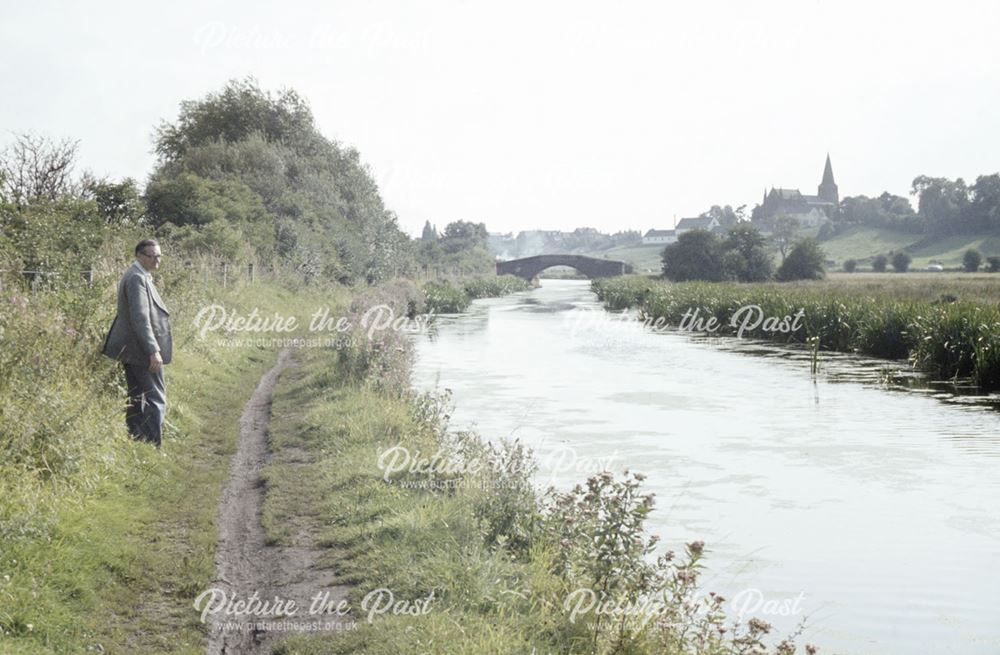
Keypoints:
(155, 363)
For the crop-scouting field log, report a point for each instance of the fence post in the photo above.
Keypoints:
(225, 275)
(250, 274)
(88, 276)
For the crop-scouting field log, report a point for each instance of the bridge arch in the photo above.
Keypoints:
(530, 267)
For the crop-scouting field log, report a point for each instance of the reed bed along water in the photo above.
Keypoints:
(949, 328)
(443, 297)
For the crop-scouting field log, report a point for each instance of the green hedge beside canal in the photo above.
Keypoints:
(949, 337)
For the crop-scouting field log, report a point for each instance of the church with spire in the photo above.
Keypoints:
(809, 210)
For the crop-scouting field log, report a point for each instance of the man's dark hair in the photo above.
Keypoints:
(145, 243)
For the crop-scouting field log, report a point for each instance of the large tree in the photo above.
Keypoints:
(240, 110)
(942, 203)
(784, 230)
(726, 216)
(429, 233)
(984, 210)
(746, 257)
(696, 255)
(886, 211)
(244, 150)
(804, 262)
(37, 168)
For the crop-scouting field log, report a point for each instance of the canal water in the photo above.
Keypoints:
(871, 513)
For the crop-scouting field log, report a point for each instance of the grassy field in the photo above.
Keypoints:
(981, 288)
(643, 258)
(949, 251)
(863, 243)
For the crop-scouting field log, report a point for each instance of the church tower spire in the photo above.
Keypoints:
(828, 188)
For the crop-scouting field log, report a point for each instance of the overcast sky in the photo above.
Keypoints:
(612, 115)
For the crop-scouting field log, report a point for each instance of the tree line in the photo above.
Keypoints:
(243, 174)
(740, 255)
(944, 207)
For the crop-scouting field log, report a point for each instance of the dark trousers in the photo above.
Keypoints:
(147, 403)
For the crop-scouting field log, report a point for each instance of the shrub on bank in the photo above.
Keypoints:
(804, 262)
(972, 260)
(901, 261)
(494, 286)
(443, 297)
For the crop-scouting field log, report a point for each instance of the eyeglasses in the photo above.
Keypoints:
(152, 256)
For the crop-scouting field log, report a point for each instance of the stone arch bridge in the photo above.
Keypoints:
(530, 267)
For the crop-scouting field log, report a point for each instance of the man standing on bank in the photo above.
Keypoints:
(140, 339)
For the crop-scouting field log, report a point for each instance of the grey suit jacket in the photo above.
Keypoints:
(142, 326)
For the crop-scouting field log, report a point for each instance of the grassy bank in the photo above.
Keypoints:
(103, 541)
(950, 329)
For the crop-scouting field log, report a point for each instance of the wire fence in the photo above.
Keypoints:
(37, 280)
(210, 269)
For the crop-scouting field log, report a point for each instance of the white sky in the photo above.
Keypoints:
(612, 115)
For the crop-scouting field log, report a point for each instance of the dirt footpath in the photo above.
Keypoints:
(245, 564)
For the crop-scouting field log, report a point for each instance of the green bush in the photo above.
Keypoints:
(901, 261)
(701, 255)
(850, 265)
(443, 298)
(971, 260)
(804, 262)
(746, 258)
(494, 286)
(879, 263)
(696, 255)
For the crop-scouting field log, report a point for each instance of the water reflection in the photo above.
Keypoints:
(888, 375)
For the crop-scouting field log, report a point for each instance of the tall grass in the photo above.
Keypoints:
(444, 297)
(948, 337)
(93, 525)
(494, 286)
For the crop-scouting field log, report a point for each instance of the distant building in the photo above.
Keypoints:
(809, 210)
(707, 223)
(659, 236)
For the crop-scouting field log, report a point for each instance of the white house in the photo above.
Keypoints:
(707, 223)
(659, 237)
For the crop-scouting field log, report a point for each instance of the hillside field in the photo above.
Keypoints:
(860, 243)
